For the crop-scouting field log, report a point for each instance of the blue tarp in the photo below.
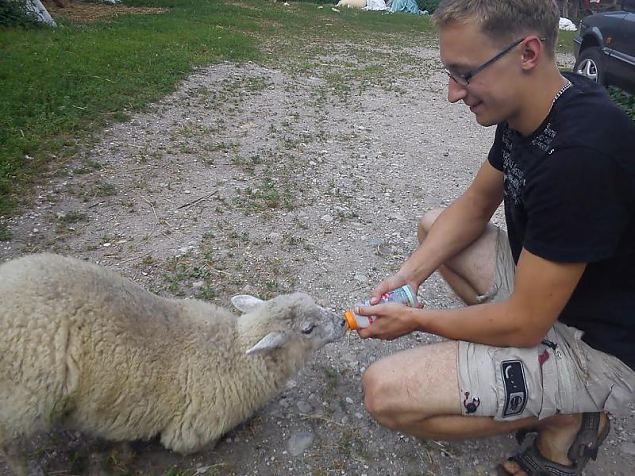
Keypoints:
(407, 6)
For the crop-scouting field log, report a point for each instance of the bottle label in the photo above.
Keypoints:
(403, 295)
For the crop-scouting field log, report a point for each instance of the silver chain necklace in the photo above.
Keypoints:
(566, 86)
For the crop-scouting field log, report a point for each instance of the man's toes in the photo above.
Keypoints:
(512, 468)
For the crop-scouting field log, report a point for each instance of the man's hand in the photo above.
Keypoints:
(393, 282)
(392, 320)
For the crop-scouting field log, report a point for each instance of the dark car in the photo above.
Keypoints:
(605, 47)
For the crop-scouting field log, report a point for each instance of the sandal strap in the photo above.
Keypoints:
(521, 434)
(534, 463)
(588, 441)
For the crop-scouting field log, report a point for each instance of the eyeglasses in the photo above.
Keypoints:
(464, 79)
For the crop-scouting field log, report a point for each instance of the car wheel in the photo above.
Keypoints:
(591, 64)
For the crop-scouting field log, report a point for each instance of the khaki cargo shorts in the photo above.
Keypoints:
(561, 375)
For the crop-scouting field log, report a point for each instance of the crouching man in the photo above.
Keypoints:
(546, 343)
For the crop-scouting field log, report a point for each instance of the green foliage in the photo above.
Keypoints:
(13, 13)
(624, 101)
(429, 5)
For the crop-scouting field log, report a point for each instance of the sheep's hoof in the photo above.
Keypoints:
(110, 458)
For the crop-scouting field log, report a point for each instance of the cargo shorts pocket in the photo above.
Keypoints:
(518, 382)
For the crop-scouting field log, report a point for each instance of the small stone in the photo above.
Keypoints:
(360, 278)
(299, 442)
(628, 448)
(304, 407)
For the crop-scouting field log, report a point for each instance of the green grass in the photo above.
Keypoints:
(59, 84)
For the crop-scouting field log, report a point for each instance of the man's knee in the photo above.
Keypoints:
(372, 389)
(426, 222)
(380, 399)
(376, 396)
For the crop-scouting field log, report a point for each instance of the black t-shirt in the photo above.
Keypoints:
(570, 197)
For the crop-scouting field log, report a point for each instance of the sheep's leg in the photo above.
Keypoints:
(106, 454)
(180, 445)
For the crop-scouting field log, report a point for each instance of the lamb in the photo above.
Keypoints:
(86, 349)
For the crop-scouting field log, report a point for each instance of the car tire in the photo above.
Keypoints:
(591, 65)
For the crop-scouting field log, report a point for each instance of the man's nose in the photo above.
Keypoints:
(456, 92)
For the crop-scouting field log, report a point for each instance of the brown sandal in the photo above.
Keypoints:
(533, 463)
(584, 447)
(588, 441)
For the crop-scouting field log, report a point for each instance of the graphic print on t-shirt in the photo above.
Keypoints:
(513, 166)
(514, 175)
(543, 140)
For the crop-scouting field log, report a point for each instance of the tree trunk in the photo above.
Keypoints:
(39, 12)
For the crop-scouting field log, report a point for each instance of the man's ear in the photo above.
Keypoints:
(533, 49)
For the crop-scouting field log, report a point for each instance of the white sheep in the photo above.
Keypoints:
(84, 348)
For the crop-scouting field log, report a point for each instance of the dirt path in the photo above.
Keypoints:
(267, 179)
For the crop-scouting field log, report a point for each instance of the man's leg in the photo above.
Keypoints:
(470, 273)
(417, 392)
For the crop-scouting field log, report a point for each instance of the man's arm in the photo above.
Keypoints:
(541, 290)
(457, 226)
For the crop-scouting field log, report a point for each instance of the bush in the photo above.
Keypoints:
(13, 13)
(623, 100)
(429, 5)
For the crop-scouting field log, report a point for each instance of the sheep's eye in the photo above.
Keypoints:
(308, 329)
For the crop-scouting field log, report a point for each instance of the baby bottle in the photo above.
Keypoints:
(403, 295)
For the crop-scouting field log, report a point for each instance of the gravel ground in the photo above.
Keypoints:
(266, 179)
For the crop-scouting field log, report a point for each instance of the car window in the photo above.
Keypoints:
(629, 5)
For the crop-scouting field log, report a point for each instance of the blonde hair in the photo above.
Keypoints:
(504, 21)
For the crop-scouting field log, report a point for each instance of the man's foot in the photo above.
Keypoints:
(561, 448)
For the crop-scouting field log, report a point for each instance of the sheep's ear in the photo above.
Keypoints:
(273, 340)
(245, 302)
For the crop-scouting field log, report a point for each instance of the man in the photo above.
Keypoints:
(546, 343)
